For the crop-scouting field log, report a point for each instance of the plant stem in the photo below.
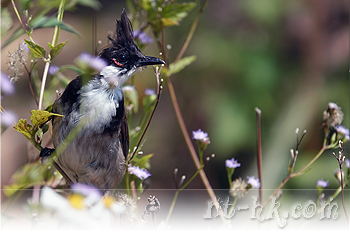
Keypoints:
(259, 149)
(172, 206)
(232, 206)
(192, 150)
(46, 69)
(189, 35)
(295, 174)
(17, 14)
(342, 192)
(310, 163)
(59, 18)
(179, 190)
(127, 184)
(159, 90)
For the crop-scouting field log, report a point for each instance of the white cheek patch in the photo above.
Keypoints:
(118, 75)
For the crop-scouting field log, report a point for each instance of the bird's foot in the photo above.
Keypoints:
(45, 153)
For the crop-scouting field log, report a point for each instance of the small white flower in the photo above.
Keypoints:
(322, 183)
(254, 182)
(343, 130)
(347, 163)
(199, 135)
(128, 88)
(232, 163)
(149, 91)
(140, 173)
(332, 105)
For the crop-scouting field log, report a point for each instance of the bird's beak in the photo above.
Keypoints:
(148, 60)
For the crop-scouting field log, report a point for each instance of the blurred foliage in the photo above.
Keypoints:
(249, 53)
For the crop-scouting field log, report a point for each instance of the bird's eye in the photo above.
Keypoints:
(122, 58)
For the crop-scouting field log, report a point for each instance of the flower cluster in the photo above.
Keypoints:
(17, 60)
(334, 131)
(87, 208)
(239, 187)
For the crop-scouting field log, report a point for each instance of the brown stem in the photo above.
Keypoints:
(192, 150)
(150, 119)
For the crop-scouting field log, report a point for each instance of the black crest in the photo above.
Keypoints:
(124, 32)
(123, 48)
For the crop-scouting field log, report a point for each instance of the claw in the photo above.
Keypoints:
(45, 153)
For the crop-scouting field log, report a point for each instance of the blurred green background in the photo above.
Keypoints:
(289, 58)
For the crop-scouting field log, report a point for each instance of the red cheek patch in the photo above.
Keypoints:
(117, 63)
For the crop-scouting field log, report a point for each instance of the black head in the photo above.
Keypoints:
(123, 52)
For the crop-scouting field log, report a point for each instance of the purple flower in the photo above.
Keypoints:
(149, 91)
(322, 183)
(90, 193)
(140, 173)
(347, 163)
(24, 46)
(343, 130)
(232, 163)
(94, 62)
(254, 182)
(53, 69)
(7, 87)
(199, 135)
(8, 118)
(143, 37)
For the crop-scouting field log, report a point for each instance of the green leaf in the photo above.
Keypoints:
(28, 176)
(40, 117)
(142, 162)
(149, 101)
(73, 68)
(179, 65)
(36, 50)
(172, 14)
(45, 22)
(132, 98)
(130, 6)
(301, 173)
(57, 49)
(90, 3)
(15, 35)
(6, 21)
(49, 108)
(24, 128)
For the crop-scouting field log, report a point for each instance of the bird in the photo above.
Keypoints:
(97, 154)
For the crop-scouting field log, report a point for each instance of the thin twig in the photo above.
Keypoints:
(192, 150)
(159, 89)
(295, 174)
(190, 33)
(259, 149)
(41, 96)
(341, 159)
